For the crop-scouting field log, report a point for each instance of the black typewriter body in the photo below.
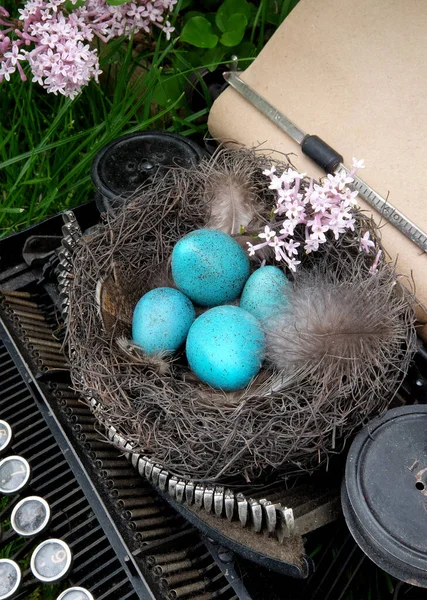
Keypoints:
(128, 543)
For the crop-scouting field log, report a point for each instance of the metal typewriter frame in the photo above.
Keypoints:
(325, 585)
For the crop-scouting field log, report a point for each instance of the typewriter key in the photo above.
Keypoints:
(14, 474)
(30, 516)
(6, 436)
(10, 578)
(75, 593)
(51, 561)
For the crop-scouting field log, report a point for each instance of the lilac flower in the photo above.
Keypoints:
(318, 228)
(284, 197)
(280, 208)
(337, 226)
(292, 263)
(276, 183)
(269, 172)
(268, 234)
(167, 29)
(366, 243)
(59, 56)
(341, 179)
(295, 210)
(14, 55)
(290, 176)
(252, 249)
(277, 244)
(288, 228)
(358, 164)
(322, 209)
(311, 245)
(320, 201)
(349, 197)
(6, 70)
(350, 223)
(329, 185)
(291, 247)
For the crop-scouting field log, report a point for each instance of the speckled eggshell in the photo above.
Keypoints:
(265, 292)
(225, 347)
(161, 320)
(209, 267)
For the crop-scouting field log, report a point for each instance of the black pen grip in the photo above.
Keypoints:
(321, 153)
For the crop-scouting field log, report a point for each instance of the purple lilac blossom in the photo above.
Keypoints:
(56, 42)
(321, 209)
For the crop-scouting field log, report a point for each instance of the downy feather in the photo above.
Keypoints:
(344, 334)
(160, 363)
(230, 190)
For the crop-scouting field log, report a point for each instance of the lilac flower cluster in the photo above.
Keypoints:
(53, 40)
(319, 209)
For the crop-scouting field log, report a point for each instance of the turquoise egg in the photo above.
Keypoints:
(265, 292)
(225, 347)
(210, 267)
(161, 320)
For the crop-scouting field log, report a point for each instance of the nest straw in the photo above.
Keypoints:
(287, 419)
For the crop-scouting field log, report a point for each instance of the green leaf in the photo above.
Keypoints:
(37, 180)
(185, 4)
(169, 90)
(245, 50)
(213, 57)
(272, 14)
(195, 13)
(229, 9)
(12, 211)
(189, 59)
(69, 6)
(198, 32)
(116, 2)
(191, 14)
(234, 35)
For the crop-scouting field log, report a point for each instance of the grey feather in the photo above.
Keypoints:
(160, 363)
(232, 205)
(231, 190)
(341, 334)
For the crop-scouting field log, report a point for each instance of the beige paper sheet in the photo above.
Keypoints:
(354, 73)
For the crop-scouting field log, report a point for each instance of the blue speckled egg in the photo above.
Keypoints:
(265, 292)
(161, 320)
(210, 267)
(225, 347)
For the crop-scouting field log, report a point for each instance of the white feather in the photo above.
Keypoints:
(232, 204)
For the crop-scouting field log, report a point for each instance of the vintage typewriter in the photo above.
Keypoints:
(127, 534)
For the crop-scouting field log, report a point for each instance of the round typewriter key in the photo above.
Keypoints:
(14, 474)
(51, 561)
(6, 436)
(10, 578)
(75, 593)
(30, 516)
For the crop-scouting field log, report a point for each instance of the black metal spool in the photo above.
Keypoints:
(384, 493)
(133, 160)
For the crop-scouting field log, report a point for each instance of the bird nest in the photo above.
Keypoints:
(335, 356)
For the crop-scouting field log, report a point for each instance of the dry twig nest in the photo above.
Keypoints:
(336, 354)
